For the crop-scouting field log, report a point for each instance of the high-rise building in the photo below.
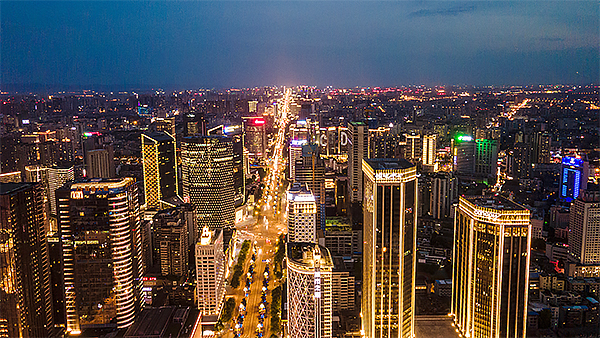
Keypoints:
(463, 154)
(429, 149)
(358, 149)
(100, 163)
(414, 147)
(486, 157)
(100, 227)
(302, 214)
(295, 153)
(492, 239)
(25, 293)
(519, 160)
(194, 123)
(210, 271)
(171, 240)
(255, 137)
(207, 163)
(584, 228)
(444, 192)
(160, 168)
(309, 285)
(56, 178)
(389, 249)
(541, 142)
(310, 171)
(573, 178)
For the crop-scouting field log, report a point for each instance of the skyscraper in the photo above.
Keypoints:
(255, 137)
(302, 215)
(463, 153)
(492, 239)
(584, 228)
(429, 149)
(295, 153)
(444, 192)
(171, 240)
(389, 249)
(309, 285)
(25, 293)
(541, 142)
(486, 157)
(573, 178)
(100, 226)
(310, 171)
(207, 179)
(357, 150)
(100, 163)
(56, 178)
(210, 271)
(160, 168)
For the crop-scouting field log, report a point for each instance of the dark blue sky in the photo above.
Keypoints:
(242, 44)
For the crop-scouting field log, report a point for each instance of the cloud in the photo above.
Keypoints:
(452, 11)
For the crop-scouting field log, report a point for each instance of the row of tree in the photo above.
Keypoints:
(238, 268)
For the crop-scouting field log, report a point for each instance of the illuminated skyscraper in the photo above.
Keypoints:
(210, 271)
(358, 149)
(255, 137)
(492, 239)
(310, 171)
(573, 178)
(463, 154)
(302, 215)
(160, 168)
(295, 153)
(56, 178)
(309, 285)
(100, 227)
(25, 293)
(584, 228)
(208, 184)
(389, 249)
(486, 157)
(171, 240)
(100, 163)
(429, 149)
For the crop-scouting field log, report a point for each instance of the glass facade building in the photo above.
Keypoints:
(389, 237)
(160, 168)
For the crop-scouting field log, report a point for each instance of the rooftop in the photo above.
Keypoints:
(9, 188)
(158, 136)
(496, 202)
(434, 327)
(305, 254)
(388, 163)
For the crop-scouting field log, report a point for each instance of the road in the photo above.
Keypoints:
(264, 231)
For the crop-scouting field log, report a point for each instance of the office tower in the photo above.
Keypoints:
(255, 138)
(309, 290)
(343, 290)
(389, 249)
(541, 142)
(210, 271)
(100, 227)
(239, 163)
(573, 178)
(194, 123)
(206, 163)
(310, 170)
(463, 152)
(171, 241)
(25, 296)
(295, 153)
(302, 214)
(492, 239)
(486, 157)
(166, 125)
(299, 131)
(358, 149)
(56, 178)
(100, 163)
(429, 149)
(584, 230)
(444, 192)
(160, 168)
(414, 147)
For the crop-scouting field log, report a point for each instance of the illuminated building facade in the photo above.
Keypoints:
(389, 249)
(358, 149)
(309, 285)
(429, 149)
(100, 227)
(56, 178)
(584, 228)
(573, 178)
(444, 192)
(302, 215)
(295, 153)
(255, 137)
(463, 154)
(310, 171)
(100, 163)
(25, 292)
(486, 157)
(171, 240)
(210, 271)
(160, 168)
(492, 239)
(207, 177)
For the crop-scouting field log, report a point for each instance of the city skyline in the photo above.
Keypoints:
(224, 44)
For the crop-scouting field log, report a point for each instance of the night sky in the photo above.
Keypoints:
(221, 44)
